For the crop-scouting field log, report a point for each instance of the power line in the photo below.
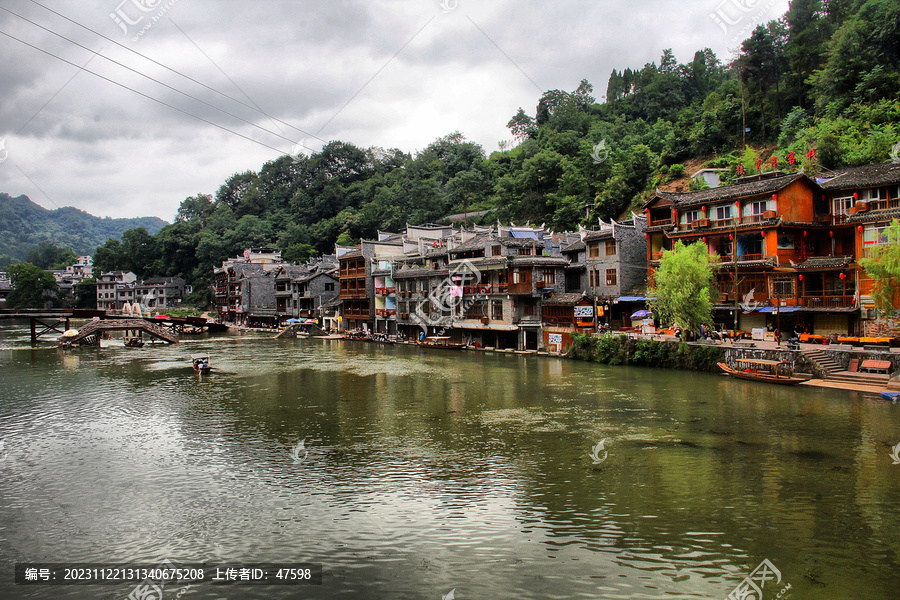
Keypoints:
(188, 77)
(139, 93)
(149, 77)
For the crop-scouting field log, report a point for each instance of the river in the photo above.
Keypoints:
(426, 471)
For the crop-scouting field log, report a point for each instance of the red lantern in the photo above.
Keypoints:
(842, 276)
(859, 229)
(737, 203)
(704, 209)
(704, 240)
(804, 234)
(801, 278)
(730, 237)
(831, 233)
(763, 233)
(647, 236)
(855, 196)
(774, 196)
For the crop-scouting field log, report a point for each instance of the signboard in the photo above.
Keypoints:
(554, 338)
(584, 312)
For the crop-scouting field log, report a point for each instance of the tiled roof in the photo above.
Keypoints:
(352, 254)
(476, 243)
(538, 260)
(599, 235)
(579, 245)
(823, 262)
(875, 215)
(864, 176)
(731, 192)
(565, 299)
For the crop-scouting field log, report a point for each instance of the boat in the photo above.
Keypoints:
(353, 335)
(442, 342)
(380, 338)
(134, 342)
(760, 370)
(200, 363)
(891, 396)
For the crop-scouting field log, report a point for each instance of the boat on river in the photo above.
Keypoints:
(200, 363)
(380, 338)
(442, 342)
(768, 371)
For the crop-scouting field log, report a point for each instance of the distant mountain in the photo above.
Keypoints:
(24, 225)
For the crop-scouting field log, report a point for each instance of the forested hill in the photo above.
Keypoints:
(25, 225)
(815, 89)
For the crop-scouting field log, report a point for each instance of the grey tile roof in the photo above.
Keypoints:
(735, 191)
(569, 299)
(823, 262)
(865, 176)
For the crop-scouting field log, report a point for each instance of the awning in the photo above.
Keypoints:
(783, 309)
(631, 299)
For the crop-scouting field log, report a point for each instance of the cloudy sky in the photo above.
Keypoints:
(248, 81)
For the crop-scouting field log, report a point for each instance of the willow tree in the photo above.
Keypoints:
(684, 287)
(883, 266)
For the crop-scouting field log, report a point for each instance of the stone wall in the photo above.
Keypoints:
(883, 327)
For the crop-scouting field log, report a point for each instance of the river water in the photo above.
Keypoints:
(427, 471)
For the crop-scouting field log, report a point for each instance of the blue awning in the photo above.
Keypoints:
(631, 299)
(783, 309)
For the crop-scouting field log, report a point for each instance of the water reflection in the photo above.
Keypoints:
(427, 470)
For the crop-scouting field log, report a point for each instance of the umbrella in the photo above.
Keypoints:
(310, 322)
(161, 317)
(292, 321)
(641, 314)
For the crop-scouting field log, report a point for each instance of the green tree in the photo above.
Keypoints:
(684, 287)
(883, 266)
(86, 293)
(33, 287)
(50, 256)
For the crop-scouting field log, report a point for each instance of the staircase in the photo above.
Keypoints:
(834, 371)
(824, 360)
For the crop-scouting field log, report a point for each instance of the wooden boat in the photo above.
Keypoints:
(380, 338)
(441, 342)
(133, 342)
(760, 370)
(200, 363)
(353, 335)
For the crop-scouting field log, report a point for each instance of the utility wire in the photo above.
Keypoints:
(188, 77)
(165, 85)
(139, 93)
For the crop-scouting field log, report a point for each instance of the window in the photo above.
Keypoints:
(595, 278)
(423, 285)
(594, 250)
(497, 310)
(495, 250)
(524, 251)
(783, 287)
(550, 276)
(758, 208)
(329, 287)
(723, 212)
(520, 277)
(610, 247)
(529, 309)
(691, 216)
(610, 277)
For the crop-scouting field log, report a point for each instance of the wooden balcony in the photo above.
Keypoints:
(823, 301)
(749, 257)
(386, 312)
(385, 291)
(474, 290)
(660, 222)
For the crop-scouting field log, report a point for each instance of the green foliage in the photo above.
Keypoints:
(684, 286)
(883, 266)
(50, 256)
(32, 287)
(86, 293)
(619, 349)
